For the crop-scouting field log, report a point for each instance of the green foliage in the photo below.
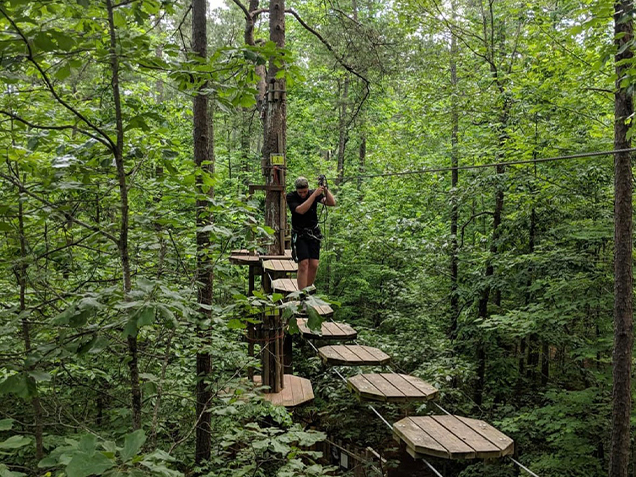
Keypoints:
(87, 456)
(533, 81)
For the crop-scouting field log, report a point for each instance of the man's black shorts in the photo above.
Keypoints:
(307, 247)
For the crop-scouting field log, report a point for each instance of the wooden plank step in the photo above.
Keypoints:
(353, 355)
(247, 257)
(286, 256)
(244, 259)
(285, 285)
(390, 387)
(328, 331)
(323, 310)
(452, 437)
(280, 265)
(296, 391)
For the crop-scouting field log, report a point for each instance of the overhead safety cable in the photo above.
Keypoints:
(493, 164)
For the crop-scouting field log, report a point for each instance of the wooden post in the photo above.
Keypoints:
(251, 331)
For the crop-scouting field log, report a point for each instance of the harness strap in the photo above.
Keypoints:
(308, 232)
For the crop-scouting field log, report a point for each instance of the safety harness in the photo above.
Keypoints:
(312, 233)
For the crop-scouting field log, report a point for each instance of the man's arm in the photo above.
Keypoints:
(304, 207)
(329, 199)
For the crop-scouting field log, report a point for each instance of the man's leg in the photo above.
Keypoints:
(311, 272)
(303, 272)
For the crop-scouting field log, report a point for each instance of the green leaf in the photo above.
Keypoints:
(19, 384)
(42, 41)
(279, 447)
(15, 442)
(87, 443)
(119, 20)
(138, 122)
(292, 327)
(72, 316)
(146, 316)
(5, 227)
(5, 472)
(235, 324)
(166, 314)
(6, 424)
(247, 101)
(63, 72)
(84, 464)
(130, 330)
(132, 444)
(315, 320)
(64, 42)
(277, 297)
(39, 375)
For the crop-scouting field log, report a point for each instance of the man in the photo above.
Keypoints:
(306, 235)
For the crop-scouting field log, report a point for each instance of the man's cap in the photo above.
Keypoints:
(302, 183)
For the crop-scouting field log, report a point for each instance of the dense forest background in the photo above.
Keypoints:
(493, 283)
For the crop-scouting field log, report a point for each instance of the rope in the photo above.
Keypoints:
(381, 417)
(523, 467)
(495, 164)
(432, 468)
(442, 409)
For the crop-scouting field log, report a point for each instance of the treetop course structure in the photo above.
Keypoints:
(443, 436)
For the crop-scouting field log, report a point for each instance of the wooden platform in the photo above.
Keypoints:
(353, 355)
(285, 285)
(244, 259)
(391, 387)
(328, 331)
(322, 310)
(280, 265)
(297, 391)
(451, 437)
(286, 256)
(247, 257)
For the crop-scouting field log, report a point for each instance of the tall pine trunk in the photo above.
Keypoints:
(454, 262)
(201, 132)
(275, 129)
(623, 275)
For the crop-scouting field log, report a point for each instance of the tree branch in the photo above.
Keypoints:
(336, 56)
(58, 128)
(49, 85)
(66, 215)
(248, 17)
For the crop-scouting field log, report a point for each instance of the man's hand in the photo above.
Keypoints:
(319, 190)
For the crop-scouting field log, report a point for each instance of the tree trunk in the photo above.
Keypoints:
(201, 131)
(342, 139)
(454, 262)
(275, 131)
(623, 275)
(362, 157)
(133, 364)
(21, 274)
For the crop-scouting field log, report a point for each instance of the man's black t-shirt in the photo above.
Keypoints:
(309, 219)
